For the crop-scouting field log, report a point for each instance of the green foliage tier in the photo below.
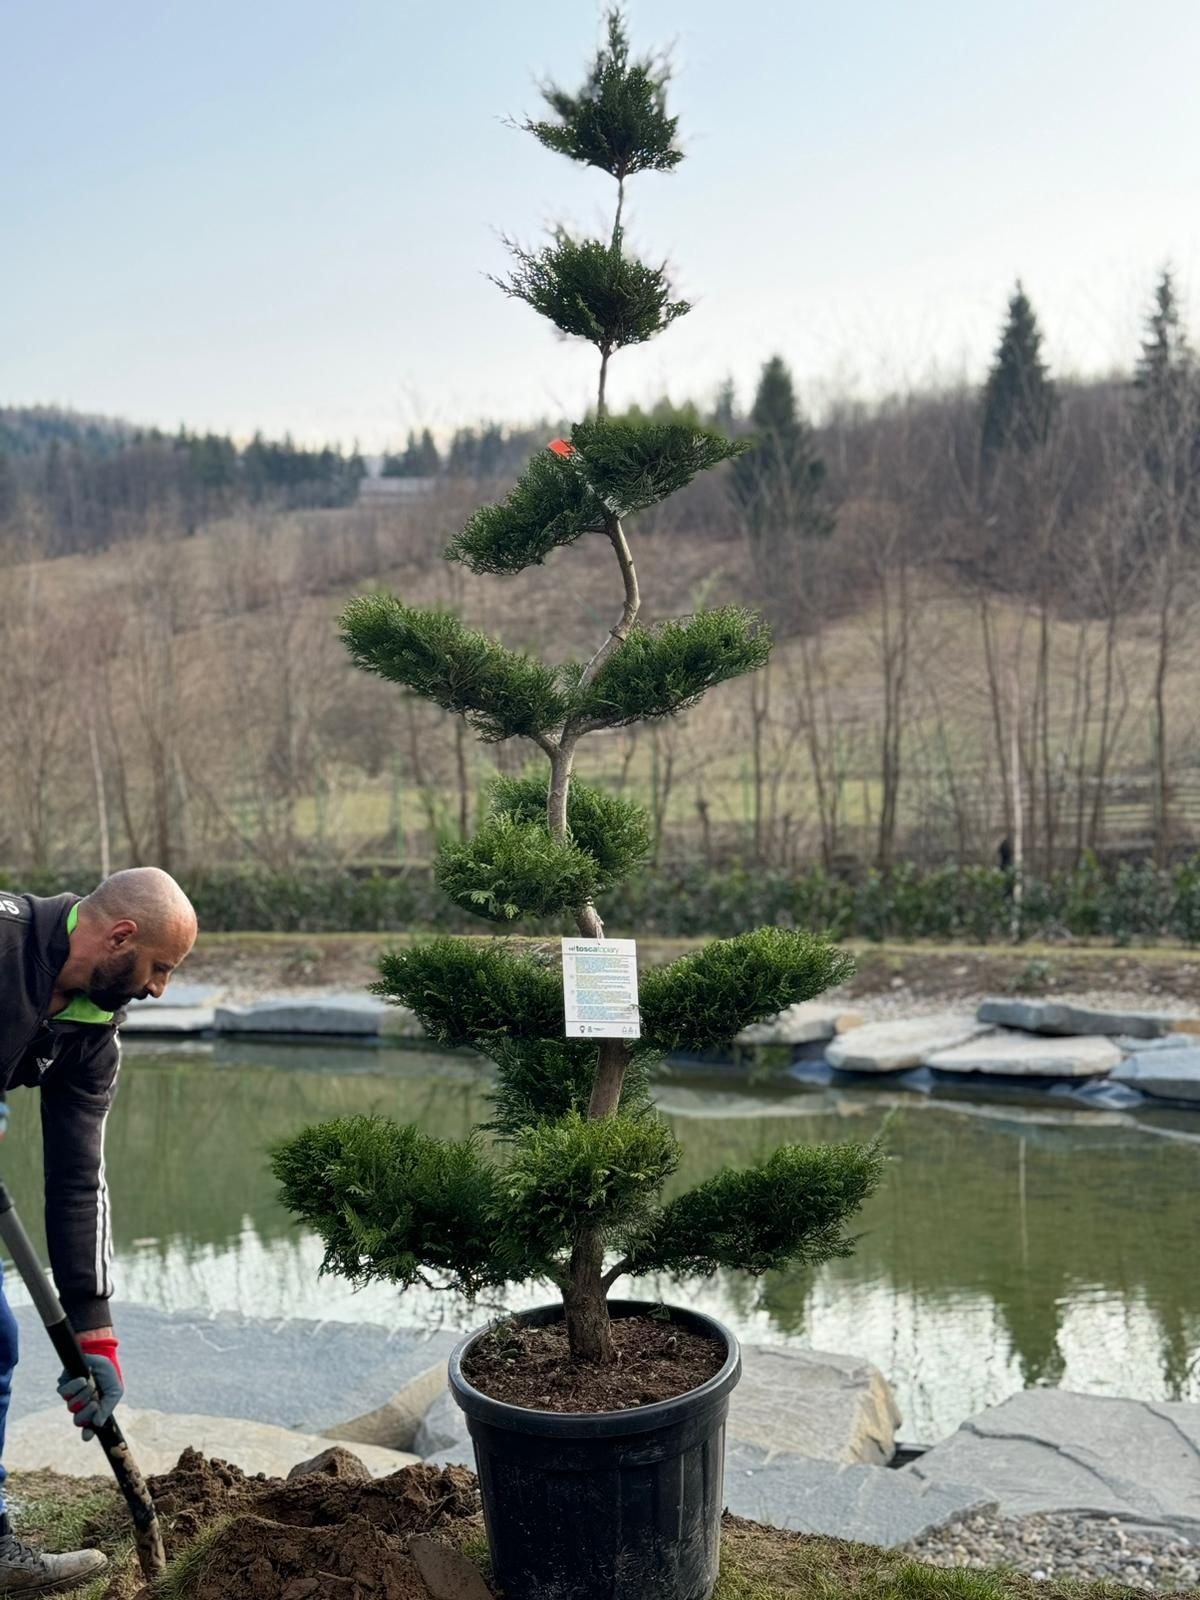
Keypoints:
(541, 1080)
(661, 671)
(613, 831)
(706, 999)
(618, 121)
(390, 1203)
(790, 1209)
(622, 465)
(635, 463)
(590, 289)
(514, 867)
(597, 1176)
(550, 505)
(502, 693)
(464, 992)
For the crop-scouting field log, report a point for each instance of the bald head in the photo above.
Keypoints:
(132, 932)
(147, 896)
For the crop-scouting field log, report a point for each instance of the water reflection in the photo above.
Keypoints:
(1010, 1245)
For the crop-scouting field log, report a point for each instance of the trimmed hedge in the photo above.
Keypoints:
(1133, 904)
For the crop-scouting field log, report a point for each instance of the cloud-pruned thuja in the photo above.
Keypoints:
(565, 1182)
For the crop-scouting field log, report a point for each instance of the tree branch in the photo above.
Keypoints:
(613, 1273)
(629, 611)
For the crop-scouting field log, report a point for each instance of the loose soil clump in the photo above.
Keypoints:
(532, 1367)
(317, 1537)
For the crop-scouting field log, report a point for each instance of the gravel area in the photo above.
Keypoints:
(1062, 1545)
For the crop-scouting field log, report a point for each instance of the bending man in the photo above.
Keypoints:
(67, 968)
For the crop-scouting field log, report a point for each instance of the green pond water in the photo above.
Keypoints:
(1011, 1244)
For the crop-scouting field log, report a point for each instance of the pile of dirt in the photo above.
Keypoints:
(309, 1538)
(532, 1367)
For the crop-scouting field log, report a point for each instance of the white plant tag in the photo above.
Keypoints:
(600, 989)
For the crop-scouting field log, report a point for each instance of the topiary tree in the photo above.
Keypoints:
(569, 1187)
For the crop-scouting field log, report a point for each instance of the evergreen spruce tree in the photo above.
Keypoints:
(1019, 399)
(1167, 413)
(780, 484)
(569, 1188)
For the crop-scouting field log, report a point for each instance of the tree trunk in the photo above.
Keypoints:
(589, 1331)
(996, 697)
(1162, 798)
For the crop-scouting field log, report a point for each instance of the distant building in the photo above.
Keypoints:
(377, 490)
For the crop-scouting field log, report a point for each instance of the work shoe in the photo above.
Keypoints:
(25, 1571)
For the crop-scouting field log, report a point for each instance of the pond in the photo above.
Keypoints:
(1010, 1245)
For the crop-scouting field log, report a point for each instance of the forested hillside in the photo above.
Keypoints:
(985, 602)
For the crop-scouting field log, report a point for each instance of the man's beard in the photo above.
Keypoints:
(111, 983)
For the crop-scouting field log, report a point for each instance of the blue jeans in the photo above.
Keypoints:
(8, 1361)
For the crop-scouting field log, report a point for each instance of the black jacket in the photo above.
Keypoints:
(74, 1064)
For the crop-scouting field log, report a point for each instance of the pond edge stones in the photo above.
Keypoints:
(1006, 1053)
(1057, 1017)
(1165, 1074)
(1050, 1450)
(897, 1046)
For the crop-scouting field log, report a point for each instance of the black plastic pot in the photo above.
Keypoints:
(610, 1505)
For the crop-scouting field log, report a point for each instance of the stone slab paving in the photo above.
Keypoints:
(1051, 1450)
(1005, 1053)
(49, 1441)
(870, 1504)
(298, 1374)
(807, 1022)
(1056, 1017)
(897, 1046)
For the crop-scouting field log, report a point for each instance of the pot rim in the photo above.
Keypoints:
(593, 1424)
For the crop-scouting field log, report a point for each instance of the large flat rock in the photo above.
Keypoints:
(1005, 1053)
(311, 1376)
(1050, 1450)
(790, 1403)
(48, 1440)
(1166, 1074)
(807, 1022)
(356, 1014)
(872, 1505)
(1056, 1017)
(813, 1403)
(442, 1435)
(895, 1046)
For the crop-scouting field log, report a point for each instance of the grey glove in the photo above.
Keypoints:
(93, 1401)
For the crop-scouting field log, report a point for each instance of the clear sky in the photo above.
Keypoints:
(280, 213)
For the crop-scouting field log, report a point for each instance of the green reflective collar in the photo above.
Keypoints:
(81, 1008)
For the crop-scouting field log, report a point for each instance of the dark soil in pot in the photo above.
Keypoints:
(657, 1359)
